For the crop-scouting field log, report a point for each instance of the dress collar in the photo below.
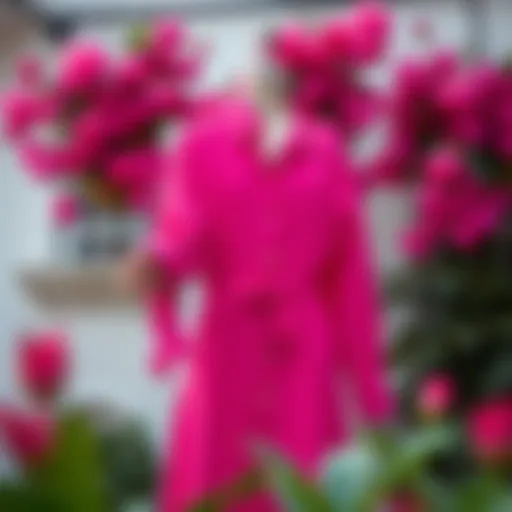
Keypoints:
(248, 132)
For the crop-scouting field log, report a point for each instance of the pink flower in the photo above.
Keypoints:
(28, 70)
(49, 162)
(445, 63)
(136, 173)
(290, 46)
(478, 216)
(166, 35)
(407, 502)
(505, 145)
(436, 396)
(65, 210)
(132, 72)
(417, 244)
(165, 101)
(83, 66)
(458, 94)
(391, 164)
(490, 430)
(338, 39)
(371, 27)
(444, 165)
(133, 166)
(466, 129)
(20, 111)
(413, 78)
(91, 129)
(43, 363)
(29, 437)
(187, 67)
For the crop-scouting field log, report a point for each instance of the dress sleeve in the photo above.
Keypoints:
(174, 247)
(359, 346)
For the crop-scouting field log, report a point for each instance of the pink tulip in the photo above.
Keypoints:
(28, 437)
(436, 396)
(83, 67)
(29, 71)
(490, 430)
(65, 210)
(43, 364)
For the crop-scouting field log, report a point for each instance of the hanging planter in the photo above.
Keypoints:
(105, 116)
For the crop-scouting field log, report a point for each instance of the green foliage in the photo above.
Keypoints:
(93, 467)
(294, 491)
(70, 479)
(358, 479)
(232, 494)
(128, 460)
(126, 453)
(460, 321)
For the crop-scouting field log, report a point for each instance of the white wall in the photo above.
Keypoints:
(110, 347)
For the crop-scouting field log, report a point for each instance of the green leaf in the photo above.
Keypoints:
(417, 449)
(482, 494)
(72, 478)
(406, 467)
(138, 37)
(22, 498)
(230, 495)
(295, 492)
(351, 476)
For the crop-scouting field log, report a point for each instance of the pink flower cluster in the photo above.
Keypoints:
(104, 113)
(490, 430)
(454, 207)
(322, 67)
(43, 364)
(437, 395)
(450, 131)
(488, 425)
(440, 102)
(28, 436)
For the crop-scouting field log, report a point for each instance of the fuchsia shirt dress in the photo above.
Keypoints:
(290, 324)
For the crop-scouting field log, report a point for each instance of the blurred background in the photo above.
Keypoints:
(51, 276)
(110, 344)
